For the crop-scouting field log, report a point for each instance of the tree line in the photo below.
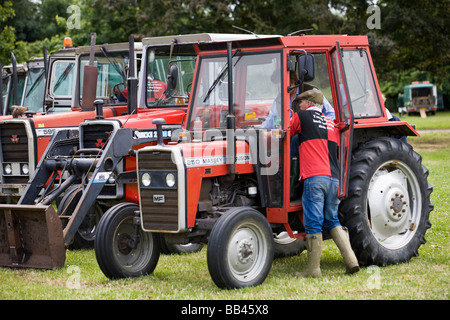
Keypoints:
(409, 39)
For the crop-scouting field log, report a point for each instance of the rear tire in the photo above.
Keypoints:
(240, 249)
(286, 246)
(388, 205)
(116, 258)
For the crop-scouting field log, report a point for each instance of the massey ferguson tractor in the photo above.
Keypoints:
(92, 167)
(24, 139)
(226, 179)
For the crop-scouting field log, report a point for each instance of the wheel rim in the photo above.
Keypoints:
(247, 253)
(283, 238)
(394, 204)
(133, 260)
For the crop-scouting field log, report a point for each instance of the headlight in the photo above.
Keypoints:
(170, 180)
(146, 180)
(25, 168)
(112, 178)
(8, 168)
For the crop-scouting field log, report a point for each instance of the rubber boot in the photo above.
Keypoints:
(314, 251)
(342, 240)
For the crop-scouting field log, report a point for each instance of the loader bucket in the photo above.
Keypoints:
(31, 236)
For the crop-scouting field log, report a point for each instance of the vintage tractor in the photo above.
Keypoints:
(226, 180)
(93, 167)
(421, 97)
(32, 76)
(24, 139)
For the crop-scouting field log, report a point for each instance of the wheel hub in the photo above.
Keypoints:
(123, 242)
(389, 205)
(398, 206)
(245, 251)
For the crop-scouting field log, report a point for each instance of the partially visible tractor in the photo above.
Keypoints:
(420, 95)
(226, 180)
(34, 85)
(24, 139)
(12, 84)
(93, 166)
(33, 89)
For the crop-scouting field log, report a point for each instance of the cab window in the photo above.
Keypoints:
(361, 84)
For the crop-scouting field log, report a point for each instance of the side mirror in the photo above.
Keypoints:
(172, 76)
(305, 64)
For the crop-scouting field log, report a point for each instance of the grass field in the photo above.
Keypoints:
(186, 277)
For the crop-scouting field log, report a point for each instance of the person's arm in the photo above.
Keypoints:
(295, 126)
(328, 109)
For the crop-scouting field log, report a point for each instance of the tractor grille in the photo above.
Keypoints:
(95, 136)
(159, 203)
(14, 142)
(14, 148)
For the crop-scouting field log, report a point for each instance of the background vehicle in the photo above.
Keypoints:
(11, 95)
(421, 95)
(228, 184)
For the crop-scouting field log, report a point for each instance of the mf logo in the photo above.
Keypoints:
(159, 198)
(100, 143)
(15, 138)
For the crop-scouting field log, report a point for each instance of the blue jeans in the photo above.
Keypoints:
(320, 204)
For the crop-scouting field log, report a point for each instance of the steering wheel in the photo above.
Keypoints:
(117, 90)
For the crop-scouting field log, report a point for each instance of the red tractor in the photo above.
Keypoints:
(92, 166)
(227, 179)
(24, 139)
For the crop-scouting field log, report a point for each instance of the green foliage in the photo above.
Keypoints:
(7, 37)
(27, 50)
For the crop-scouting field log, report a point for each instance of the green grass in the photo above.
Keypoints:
(441, 120)
(186, 277)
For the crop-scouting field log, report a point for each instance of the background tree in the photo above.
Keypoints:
(412, 42)
(7, 36)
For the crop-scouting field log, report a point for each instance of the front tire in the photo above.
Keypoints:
(116, 255)
(240, 249)
(388, 205)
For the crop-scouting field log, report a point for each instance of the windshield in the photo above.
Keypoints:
(256, 88)
(34, 90)
(5, 86)
(112, 76)
(62, 79)
(8, 90)
(159, 59)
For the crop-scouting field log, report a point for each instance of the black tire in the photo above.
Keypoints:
(285, 246)
(85, 235)
(174, 248)
(240, 249)
(114, 256)
(388, 205)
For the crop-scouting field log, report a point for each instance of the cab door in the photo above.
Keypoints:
(344, 118)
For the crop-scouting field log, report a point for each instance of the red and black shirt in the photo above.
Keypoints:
(319, 143)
